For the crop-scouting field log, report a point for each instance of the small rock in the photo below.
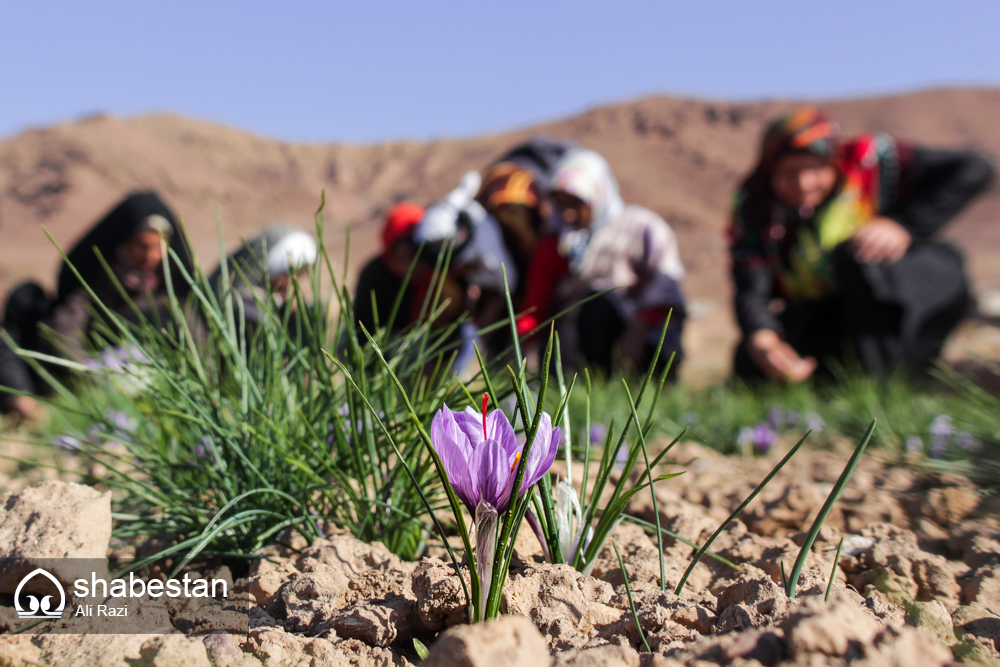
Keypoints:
(265, 584)
(221, 645)
(511, 641)
(440, 600)
(948, 506)
(758, 593)
(173, 650)
(49, 521)
(608, 655)
(934, 618)
(764, 647)
(855, 545)
(310, 598)
(832, 629)
(377, 623)
(978, 622)
(983, 589)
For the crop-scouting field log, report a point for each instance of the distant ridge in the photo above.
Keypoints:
(677, 156)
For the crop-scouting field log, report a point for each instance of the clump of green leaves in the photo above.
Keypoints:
(235, 432)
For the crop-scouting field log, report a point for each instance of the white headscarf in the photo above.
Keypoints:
(585, 174)
(486, 253)
(291, 253)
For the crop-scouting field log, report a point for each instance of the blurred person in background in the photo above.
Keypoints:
(834, 250)
(605, 244)
(474, 281)
(382, 278)
(515, 192)
(129, 238)
(263, 269)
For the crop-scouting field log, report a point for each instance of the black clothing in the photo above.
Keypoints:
(539, 155)
(888, 315)
(882, 316)
(110, 233)
(70, 312)
(600, 327)
(376, 279)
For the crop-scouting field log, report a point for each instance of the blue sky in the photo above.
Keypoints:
(372, 70)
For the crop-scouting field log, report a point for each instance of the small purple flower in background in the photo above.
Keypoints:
(690, 418)
(764, 437)
(941, 431)
(967, 441)
(67, 442)
(792, 418)
(941, 426)
(598, 432)
(776, 418)
(203, 450)
(121, 421)
(344, 410)
(621, 459)
(815, 423)
(914, 444)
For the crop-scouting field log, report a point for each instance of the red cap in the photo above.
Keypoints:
(399, 223)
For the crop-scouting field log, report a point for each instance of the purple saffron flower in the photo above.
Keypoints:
(67, 442)
(598, 432)
(776, 418)
(764, 437)
(622, 458)
(941, 426)
(203, 450)
(941, 431)
(480, 454)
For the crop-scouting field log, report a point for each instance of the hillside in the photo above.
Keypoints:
(679, 157)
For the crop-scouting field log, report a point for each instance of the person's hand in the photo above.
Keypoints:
(28, 408)
(778, 359)
(881, 241)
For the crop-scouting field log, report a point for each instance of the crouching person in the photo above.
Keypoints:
(623, 257)
(128, 238)
(835, 253)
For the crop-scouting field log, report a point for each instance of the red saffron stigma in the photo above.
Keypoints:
(486, 402)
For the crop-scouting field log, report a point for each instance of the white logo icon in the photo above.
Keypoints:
(39, 608)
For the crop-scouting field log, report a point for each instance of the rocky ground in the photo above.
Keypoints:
(918, 584)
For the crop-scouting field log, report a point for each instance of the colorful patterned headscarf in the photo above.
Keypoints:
(805, 129)
(507, 183)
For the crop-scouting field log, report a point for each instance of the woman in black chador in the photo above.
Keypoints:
(129, 240)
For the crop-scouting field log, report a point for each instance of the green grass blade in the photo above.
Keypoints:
(845, 476)
(631, 602)
(760, 487)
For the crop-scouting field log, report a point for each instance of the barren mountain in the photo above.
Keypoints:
(680, 157)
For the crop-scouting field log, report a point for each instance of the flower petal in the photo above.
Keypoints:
(452, 445)
(490, 472)
(471, 423)
(542, 454)
(498, 428)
